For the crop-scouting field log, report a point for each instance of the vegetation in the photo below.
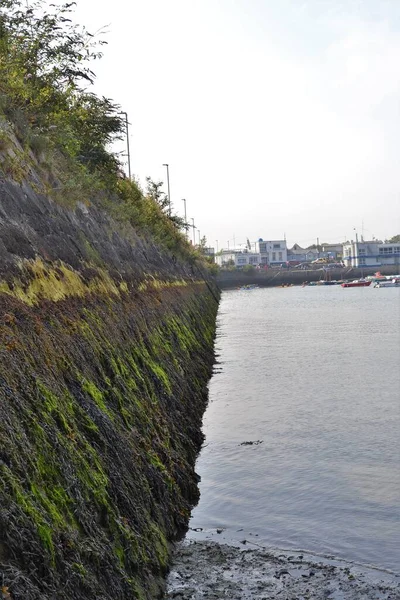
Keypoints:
(99, 428)
(395, 239)
(105, 341)
(45, 74)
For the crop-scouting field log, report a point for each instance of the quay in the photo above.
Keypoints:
(231, 279)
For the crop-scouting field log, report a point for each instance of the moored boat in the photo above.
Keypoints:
(356, 283)
(395, 282)
(249, 286)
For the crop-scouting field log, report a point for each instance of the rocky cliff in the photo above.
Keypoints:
(106, 348)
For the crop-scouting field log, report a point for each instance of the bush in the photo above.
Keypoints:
(248, 269)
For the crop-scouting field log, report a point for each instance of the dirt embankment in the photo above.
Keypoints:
(106, 347)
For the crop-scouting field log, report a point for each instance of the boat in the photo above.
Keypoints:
(250, 286)
(395, 282)
(356, 283)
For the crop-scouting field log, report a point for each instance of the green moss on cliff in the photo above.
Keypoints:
(98, 467)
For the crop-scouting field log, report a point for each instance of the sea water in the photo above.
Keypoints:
(302, 430)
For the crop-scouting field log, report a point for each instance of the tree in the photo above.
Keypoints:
(155, 192)
(395, 239)
(44, 73)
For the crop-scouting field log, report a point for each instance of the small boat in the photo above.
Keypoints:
(356, 283)
(395, 282)
(250, 286)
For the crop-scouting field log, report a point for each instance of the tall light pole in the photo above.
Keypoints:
(217, 245)
(194, 239)
(127, 142)
(186, 230)
(169, 190)
(198, 231)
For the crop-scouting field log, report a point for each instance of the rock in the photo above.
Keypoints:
(251, 443)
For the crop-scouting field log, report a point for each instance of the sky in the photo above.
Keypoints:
(276, 117)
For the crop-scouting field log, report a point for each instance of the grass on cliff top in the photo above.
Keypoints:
(56, 134)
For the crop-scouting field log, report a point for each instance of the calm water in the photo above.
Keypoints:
(315, 374)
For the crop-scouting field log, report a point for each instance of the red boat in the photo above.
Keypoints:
(357, 283)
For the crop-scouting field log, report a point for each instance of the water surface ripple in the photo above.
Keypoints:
(315, 374)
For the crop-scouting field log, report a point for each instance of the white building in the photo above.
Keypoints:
(332, 250)
(370, 253)
(272, 251)
(237, 258)
(297, 253)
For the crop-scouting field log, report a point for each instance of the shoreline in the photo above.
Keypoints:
(209, 569)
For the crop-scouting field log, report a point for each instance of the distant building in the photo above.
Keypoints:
(209, 251)
(370, 253)
(272, 251)
(297, 253)
(237, 258)
(334, 251)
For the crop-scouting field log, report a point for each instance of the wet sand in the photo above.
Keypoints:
(207, 569)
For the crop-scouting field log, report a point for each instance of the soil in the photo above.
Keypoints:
(206, 569)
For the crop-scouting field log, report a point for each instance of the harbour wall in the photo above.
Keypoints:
(273, 277)
(106, 348)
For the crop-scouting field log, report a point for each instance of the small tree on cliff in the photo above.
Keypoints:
(154, 191)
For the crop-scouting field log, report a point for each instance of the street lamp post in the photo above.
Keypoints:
(127, 143)
(198, 231)
(169, 190)
(186, 230)
(193, 226)
(217, 245)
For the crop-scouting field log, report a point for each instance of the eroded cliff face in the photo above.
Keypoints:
(106, 348)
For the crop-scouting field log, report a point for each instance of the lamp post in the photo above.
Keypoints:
(186, 230)
(198, 231)
(127, 143)
(193, 226)
(169, 191)
(217, 245)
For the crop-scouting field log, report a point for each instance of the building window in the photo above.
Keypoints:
(241, 261)
(396, 249)
(362, 261)
(274, 256)
(263, 247)
(386, 250)
(280, 255)
(277, 246)
(361, 251)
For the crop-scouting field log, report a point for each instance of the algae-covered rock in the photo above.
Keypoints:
(106, 347)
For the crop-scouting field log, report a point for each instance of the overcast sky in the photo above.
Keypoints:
(275, 116)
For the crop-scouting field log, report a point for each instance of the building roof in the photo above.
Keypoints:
(296, 248)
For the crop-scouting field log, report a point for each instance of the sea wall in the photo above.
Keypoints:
(231, 279)
(106, 348)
